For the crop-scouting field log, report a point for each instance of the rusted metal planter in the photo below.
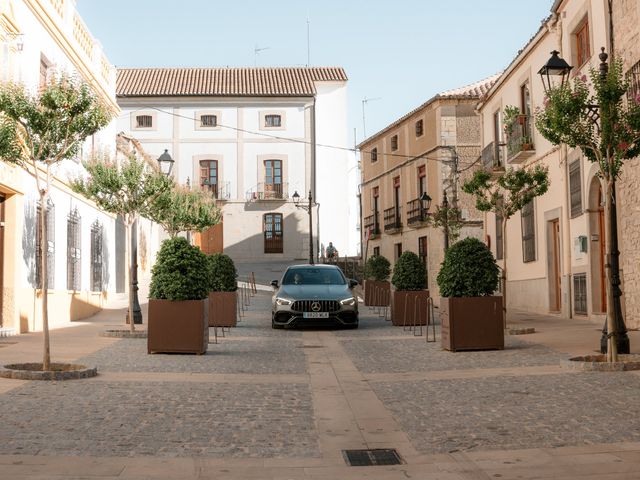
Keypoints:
(409, 307)
(178, 327)
(223, 309)
(377, 293)
(471, 323)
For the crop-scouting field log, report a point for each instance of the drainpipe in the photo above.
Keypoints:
(313, 173)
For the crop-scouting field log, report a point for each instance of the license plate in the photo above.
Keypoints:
(315, 315)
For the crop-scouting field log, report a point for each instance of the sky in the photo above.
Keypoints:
(396, 53)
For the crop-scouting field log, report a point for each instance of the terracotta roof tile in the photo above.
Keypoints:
(285, 81)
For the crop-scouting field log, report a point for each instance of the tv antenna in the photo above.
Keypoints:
(366, 100)
(256, 51)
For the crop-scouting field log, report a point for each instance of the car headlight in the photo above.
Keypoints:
(348, 301)
(282, 301)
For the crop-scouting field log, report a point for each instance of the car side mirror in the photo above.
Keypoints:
(353, 283)
(274, 283)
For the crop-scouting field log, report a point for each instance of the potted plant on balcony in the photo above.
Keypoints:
(510, 117)
(377, 288)
(409, 281)
(471, 316)
(178, 304)
(223, 291)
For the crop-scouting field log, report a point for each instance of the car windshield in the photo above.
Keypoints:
(313, 276)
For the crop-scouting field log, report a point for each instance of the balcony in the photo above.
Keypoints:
(491, 157)
(393, 220)
(372, 225)
(416, 215)
(221, 191)
(520, 144)
(268, 192)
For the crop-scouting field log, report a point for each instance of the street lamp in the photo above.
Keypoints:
(308, 208)
(165, 162)
(556, 66)
(425, 202)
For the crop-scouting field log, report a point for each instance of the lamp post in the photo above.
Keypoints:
(308, 208)
(556, 66)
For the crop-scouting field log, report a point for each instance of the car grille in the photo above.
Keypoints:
(325, 306)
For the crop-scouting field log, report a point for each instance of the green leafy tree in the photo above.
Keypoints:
(39, 131)
(468, 270)
(128, 188)
(409, 273)
(449, 220)
(183, 210)
(606, 127)
(504, 196)
(377, 268)
(223, 273)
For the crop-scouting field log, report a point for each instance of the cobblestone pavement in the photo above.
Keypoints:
(414, 354)
(298, 398)
(515, 412)
(268, 355)
(163, 419)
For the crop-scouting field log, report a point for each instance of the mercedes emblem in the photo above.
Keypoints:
(315, 306)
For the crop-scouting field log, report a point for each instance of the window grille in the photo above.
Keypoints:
(394, 142)
(580, 293)
(144, 121)
(528, 233)
(273, 120)
(575, 189)
(96, 256)
(633, 76)
(73, 250)
(51, 245)
(208, 121)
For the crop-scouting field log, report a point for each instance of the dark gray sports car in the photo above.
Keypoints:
(313, 295)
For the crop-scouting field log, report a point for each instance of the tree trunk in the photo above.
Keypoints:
(44, 274)
(129, 223)
(612, 347)
(504, 272)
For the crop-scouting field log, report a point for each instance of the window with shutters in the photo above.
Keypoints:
(374, 155)
(73, 250)
(50, 248)
(528, 233)
(583, 48)
(575, 188)
(96, 257)
(394, 143)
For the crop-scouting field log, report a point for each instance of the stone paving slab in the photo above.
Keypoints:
(371, 325)
(515, 412)
(284, 356)
(399, 356)
(160, 419)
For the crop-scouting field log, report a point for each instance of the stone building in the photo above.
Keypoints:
(626, 43)
(431, 150)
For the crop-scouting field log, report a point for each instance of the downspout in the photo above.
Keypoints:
(313, 174)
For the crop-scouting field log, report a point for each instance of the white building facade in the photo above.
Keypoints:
(252, 137)
(40, 39)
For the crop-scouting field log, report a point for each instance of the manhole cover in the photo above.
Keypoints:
(377, 456)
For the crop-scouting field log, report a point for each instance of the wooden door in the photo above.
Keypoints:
(211, 240)
(273, 179)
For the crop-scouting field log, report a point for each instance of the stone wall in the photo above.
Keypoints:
(626, 17)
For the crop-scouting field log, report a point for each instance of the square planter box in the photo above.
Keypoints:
(377, 293)
(409, 298)
(471, 323)
(181, 327)
(223, 309)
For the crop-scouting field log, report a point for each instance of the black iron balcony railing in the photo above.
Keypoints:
(268, 191)
(520, 142)
(219, 191)
(393, 219)
(416, 214)
(372, 224)
(491, 157)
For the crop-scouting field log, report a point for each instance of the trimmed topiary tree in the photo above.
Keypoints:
(409, 273)
(223, 273)
(181, 272)
(377, 268)
(468, 270)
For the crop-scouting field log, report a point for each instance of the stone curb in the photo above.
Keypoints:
(522, 331)
(22, 371)
(123, 334)
(597, 363)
